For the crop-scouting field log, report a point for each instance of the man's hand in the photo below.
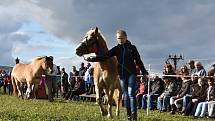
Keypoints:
(177, 96)
(162, 96)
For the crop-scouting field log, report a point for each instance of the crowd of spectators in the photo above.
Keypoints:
(189, 90)
(5, 82)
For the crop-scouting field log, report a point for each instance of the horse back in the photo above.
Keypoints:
(19, 71)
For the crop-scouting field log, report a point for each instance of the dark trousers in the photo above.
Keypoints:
(51, 83)
(191, 108)
(9, 89)
(5, 88)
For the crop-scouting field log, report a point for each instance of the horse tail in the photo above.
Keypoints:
(14, 85)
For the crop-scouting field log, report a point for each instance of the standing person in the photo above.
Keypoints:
(126, 54)
(64, 82)
(51, 82)
(5, 75)
(72, 80)
(89, 81)
(81, 72)
(191, 66)
(73, 77)
(87, 77)
(41, 90)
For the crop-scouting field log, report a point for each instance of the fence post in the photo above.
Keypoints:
(149, 79)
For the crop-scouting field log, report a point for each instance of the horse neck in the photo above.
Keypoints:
(102, 44)
(111, 61)
(37, 67)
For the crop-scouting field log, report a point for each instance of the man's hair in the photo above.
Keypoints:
(122, 32)
(198, 63)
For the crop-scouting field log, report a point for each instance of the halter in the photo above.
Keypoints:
(92, 44)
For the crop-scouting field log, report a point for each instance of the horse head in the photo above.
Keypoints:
(47, 64)
(91, 43)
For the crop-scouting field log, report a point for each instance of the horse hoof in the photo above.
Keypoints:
(110, 116)
(104, 113)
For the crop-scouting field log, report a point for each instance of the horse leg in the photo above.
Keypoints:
(22, 89)
(28, 91)
(99, 100)
(117, 98)
(110, 101)
(18, 87)
(14, 86)
(34, 88)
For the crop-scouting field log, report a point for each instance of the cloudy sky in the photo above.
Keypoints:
(31, 28)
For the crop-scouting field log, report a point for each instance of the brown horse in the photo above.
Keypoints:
(30, 74)
(105, 73)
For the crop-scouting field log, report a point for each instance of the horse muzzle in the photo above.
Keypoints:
(79, 53)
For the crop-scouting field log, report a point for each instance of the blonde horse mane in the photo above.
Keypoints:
(101, 37)
(38, 58)
(104, 41)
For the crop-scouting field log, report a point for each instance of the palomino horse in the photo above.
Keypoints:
(105, 72)
(30, 74)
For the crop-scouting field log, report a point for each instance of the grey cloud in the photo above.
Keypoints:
(19, 37)
(156, 27)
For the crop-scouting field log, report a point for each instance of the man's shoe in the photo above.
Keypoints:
(172, 112)
(51, 100)
(173, 109)
(134, 117)
(129, 118)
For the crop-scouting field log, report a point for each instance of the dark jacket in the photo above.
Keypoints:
(192, 85)
(211, 94)
(185, 88)
(157, 87)
(126, 54)
(199, 92)
(64, 79)
(170, 89)
(72, 79)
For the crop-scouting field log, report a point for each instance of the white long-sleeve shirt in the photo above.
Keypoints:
(55, 71)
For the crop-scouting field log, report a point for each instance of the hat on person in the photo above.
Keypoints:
(191, 62)
(51, 57)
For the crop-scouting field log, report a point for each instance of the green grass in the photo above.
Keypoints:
(13, 108)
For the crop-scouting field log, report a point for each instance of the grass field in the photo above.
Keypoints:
(13, 108)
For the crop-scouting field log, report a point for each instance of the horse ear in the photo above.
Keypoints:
(96, 30)
(46, 57)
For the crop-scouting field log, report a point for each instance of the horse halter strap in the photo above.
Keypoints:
(90, 42)
(90, 45)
